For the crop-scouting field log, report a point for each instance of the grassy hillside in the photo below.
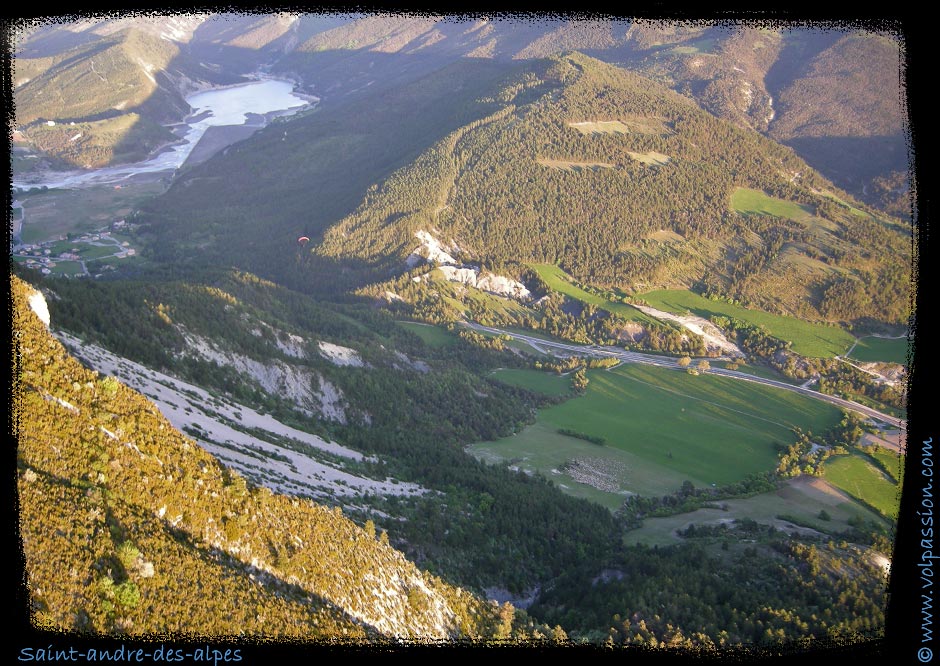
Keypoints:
(534, 380)
(885, 350)
(559, 281)
(113, 74)
(808, 339)
(858, 476)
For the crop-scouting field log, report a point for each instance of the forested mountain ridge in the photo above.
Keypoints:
(568, 161)
(266, 565)
(393, 398)
(789, 81)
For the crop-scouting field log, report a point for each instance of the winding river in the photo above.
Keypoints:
(256, 103)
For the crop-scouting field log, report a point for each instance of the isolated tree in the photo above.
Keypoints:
(684, 362)
(579, 381)
(704, 365)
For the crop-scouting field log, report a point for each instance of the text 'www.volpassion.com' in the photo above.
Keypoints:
(925, 565)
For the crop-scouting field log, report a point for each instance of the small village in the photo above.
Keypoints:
(65, 255)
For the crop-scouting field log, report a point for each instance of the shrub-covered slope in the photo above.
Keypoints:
(128, 526)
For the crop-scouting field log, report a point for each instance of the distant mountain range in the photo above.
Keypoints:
(833, 95)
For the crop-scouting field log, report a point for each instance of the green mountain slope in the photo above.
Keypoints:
(351, 374)
(253, 201)
(113, 73)
(812, 88)
(158, 537)
(570, 161)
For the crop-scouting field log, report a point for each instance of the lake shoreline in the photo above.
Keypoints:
(228, 104)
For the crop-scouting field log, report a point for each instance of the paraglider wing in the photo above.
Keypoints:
(303, 240)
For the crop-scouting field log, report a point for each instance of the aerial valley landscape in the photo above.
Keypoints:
(388, 329)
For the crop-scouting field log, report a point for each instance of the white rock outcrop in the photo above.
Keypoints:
(37, 303)
(490, 282)
(339, 355)
(433, 251)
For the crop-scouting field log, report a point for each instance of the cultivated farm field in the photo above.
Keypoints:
(863, 479)
(887, 350)
(546, 383)
(665, 427)
(560, 281)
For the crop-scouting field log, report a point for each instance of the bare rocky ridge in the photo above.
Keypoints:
(293, 462)
(309, 391)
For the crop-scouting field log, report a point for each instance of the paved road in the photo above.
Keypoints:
(668, 362)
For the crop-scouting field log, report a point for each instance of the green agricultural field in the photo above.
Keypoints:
(886, 350)
(862, 479)
(433, 336)
(813, 340)
(892, 462)
(754, 202)
(88, 208)
(801, 498)
(664, 427)
(547, 383)
(540, 448)
(563, 283)
(88, 251)
(66, 268)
